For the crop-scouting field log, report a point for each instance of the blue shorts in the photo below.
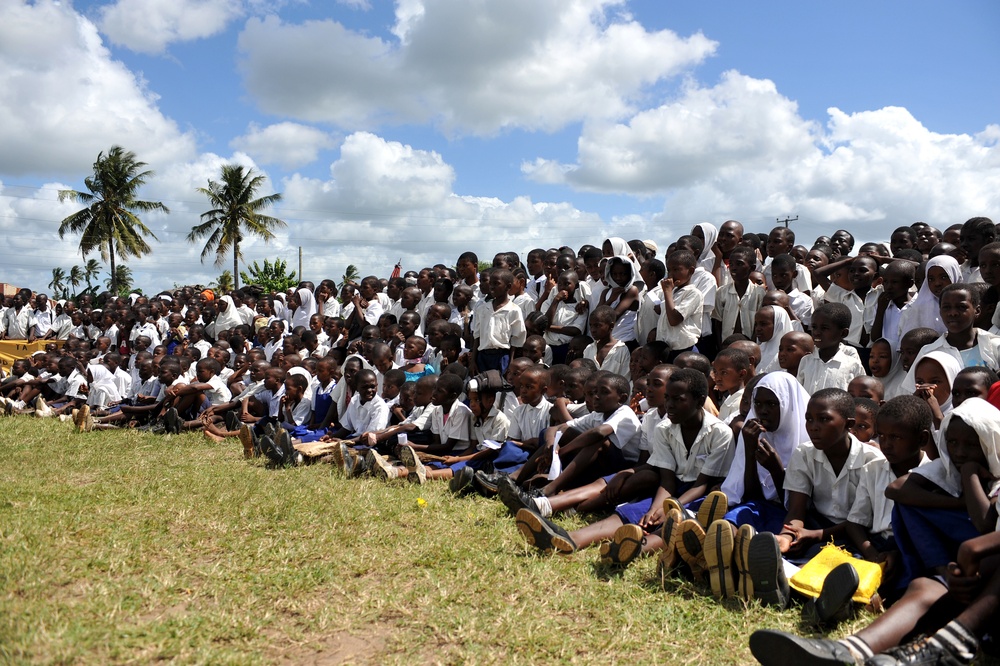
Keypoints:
(632, 512)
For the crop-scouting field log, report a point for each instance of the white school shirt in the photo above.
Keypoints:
(150, 387)
(203, 346)
(425, 302)
(891, 322)
(710, 454)
(528, 421)
(802, 280)
(111, 332)
(624, 429)
(123, 381)
(730, 407)
(688, 302)
(301, 413)
(457, 426)
(526, 302)
(650, 420)
(368, 417)
(148, 329)
(616, 360)
(729, 306)
(646, 318)
(802, 306)
(832, 495)
(970, 274)
(495, 428)
(420, 417)
(163, 389)
(219, 393)
(508, 403)
(566, 316)
(70, 386)
(871, 508)
(838, 372)
(62, 325)
(704, 282)
(18, 324)
(43, 321)
(862, 309)
(498, 329)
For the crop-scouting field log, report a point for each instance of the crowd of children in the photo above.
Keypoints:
(741, 408)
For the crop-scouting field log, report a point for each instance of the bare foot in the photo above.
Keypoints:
(212, 437)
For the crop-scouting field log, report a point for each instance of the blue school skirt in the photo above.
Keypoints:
(510, 457)
(632, 512)
(929, 538)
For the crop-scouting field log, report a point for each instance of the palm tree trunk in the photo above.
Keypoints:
(236, 265)
(114, 274)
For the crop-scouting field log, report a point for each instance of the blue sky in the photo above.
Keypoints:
(422, 128)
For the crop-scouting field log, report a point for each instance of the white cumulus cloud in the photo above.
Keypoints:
(467, 67)
(149, 26)
(64, 99)
(289, 144)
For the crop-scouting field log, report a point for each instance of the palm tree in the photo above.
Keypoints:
(120, 279)
(91, 271)
(109, 222)
(58, 282)
(235, 214)
(351, 275)
(224, 283)
(75, 278)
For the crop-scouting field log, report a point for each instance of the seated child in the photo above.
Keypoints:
(792, 348)
(865, 415)
(392, 382)
(833, 364)
(191, 399)
(731, 371)
(942, 506)
(864, 386)
(933, 375)
(415, 426)
(679, 325)
(607, 352)
(770, 325)
(366, 411)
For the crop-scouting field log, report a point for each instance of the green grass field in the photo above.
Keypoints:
(125, 547)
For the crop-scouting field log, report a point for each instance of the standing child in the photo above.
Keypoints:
(737, 299)
(565, 321)
(792, 348)
(679, 325)
(731, 372)
(497, 327)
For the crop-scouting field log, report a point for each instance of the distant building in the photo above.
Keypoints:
(7, 289)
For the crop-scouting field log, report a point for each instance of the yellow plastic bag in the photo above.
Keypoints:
(809, 579)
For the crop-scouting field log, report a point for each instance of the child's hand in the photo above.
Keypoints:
(890, 563)
(767, 457)
(963, 585)
(801, 538)
(752, 430)
(562, 296)
(652, 518)
(615, 485)
(667, 285)
(582, 307)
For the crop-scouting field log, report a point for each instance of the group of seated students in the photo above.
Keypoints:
(730, 411)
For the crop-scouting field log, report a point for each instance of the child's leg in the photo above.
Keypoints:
(442, 474)
(577, 497)
(902, 617)
(583, 459)
(602, 529)
(641, 484)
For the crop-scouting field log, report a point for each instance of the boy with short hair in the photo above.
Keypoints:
(737, 299)
(832, 364)
(792, 348)
(497, 326)
(679, 325)
(783, 275)
(731, 372)
(606, 351)
(862, 299)
(565, 321)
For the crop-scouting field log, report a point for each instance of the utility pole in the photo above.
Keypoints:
(787, 220)
(300, 262)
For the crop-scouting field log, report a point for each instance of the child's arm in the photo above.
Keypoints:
(700, 488)
(982, 512)
(667, 488)
(596, 435)
(915, 490)
(794, 536)
(674, 318)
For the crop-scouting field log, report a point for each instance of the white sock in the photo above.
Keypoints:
(544, 506)
(957, 639)
(859, 649)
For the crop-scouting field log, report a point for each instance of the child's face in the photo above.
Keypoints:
(536, 263)
(533, 387)
(863, 387)
(203, 373)
(606, 397)
(908, 350)
(763, 325)
(863, 273)
(408, 324)
(167, 375)
(600, 327)
(930, 375)
(727, 377)
(292, 391)
(967, 386)
(897, 439)
(896, 285)
(825, 425)
(466, 269)
(680, 405)
(593, 265)
(864, 425)
(679, 273)
(777, 243)
(409, 299)
(768, 408)
(423, 394)
(567, 282)
(620, 272)
(389, 391)
(989, 266)
(575, 389)
(826, 334)
(499, 288)
(461, 299)
(757, 278)
(316, 324)
(790, 353)
(367, 388)
(963, 444)
(880, 360)
(782, 278)
(957, 311)
(739, 267)
(816, 259)
(406, 399)
(535, 350)
(413, 348)
(937, 280)
(442, 396)
(440, 293)
(656, 388)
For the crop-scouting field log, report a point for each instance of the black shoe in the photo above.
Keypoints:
(486, 483)
(514, 498)
(270, 450)
(284, 444)
(232, 421)
(544, 534)
(268, 429)
(958, 650)
(461, 481)
(835, 602)
(172, 421)
(767, 570)
(776, 648)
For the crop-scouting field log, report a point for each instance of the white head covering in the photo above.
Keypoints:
(614, 261)
(892, 381)
(707, 258)
(951, 369)
(104, 380)
(619, 248)
(769, 348)
(304, 312)
(228, 318)
(982, 417)
(924, 311)
(790, 433)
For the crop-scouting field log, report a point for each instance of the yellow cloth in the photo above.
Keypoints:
(809, 579)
